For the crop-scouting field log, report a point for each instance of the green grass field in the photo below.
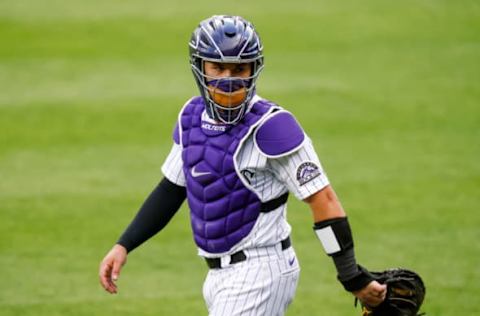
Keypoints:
(389, 91)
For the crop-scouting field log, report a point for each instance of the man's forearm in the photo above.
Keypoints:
(155, 213)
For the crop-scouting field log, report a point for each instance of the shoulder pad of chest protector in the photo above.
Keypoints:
(279, 135)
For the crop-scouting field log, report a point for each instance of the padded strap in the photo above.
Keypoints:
(274, 204)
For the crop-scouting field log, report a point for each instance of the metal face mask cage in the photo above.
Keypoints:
(226, 39)
(227, 98)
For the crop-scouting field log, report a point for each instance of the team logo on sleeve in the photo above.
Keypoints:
(306, 172)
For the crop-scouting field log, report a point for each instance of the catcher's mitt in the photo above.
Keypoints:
(405, 294)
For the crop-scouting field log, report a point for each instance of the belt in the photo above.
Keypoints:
(216, 263)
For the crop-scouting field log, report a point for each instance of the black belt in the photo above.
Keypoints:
(216, 263)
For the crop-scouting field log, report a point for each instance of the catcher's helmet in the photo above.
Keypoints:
(226, 39)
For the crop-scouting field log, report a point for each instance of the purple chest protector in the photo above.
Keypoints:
(222, 210)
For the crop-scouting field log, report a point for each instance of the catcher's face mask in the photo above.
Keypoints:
(227, 86)
(226, 40)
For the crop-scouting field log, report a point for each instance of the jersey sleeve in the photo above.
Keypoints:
(172, 168)
(301, 171)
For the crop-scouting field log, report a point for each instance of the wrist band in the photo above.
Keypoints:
(336, 238)
(335, 235)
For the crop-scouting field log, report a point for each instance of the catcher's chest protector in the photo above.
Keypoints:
(222, 210)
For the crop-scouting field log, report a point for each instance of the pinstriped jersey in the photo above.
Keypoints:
(299, 172)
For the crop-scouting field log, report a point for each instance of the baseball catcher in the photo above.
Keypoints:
(235, 157)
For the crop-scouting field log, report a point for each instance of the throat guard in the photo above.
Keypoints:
(223, 210)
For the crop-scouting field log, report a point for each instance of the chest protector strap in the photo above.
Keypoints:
(274, 204)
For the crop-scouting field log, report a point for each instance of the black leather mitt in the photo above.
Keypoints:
(405, 294)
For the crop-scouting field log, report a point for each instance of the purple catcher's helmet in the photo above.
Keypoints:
(226, 39)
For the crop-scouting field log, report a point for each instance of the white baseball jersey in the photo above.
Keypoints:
(265, 283)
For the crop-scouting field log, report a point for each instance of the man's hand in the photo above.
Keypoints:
(110, 268)
(372, 294)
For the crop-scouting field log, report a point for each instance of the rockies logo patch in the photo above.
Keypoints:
(306, 172)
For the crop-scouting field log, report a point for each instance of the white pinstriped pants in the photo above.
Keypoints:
(262, 285)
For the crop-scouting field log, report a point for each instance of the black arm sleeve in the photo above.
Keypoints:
(353, 276)
(154, 215)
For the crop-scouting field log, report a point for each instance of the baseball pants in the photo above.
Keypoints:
(263, 284)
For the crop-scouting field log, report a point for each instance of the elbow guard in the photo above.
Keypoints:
(335, 236)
